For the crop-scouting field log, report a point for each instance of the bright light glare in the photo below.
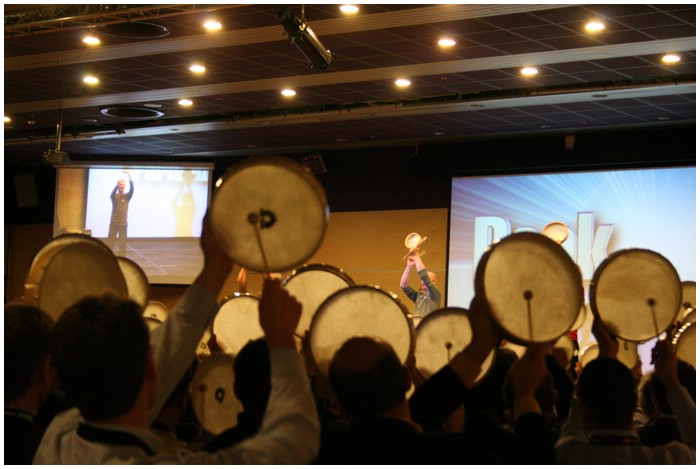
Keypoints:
(402, 82)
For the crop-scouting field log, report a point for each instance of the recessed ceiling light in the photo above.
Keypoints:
(212, 25)
(91, 80)
(446, 42)
(594, 26)
(7, 119)
(529, 71)
(185, 102)
(198, 68)
(671, 58)
(349, 9)
(402, 82)
(288, 92)
(91, 40)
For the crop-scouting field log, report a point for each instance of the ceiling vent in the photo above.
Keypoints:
(134, 30)
(129, 112)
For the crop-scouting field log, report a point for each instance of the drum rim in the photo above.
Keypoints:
(539, 238)
(286, 163)
(612, 257)
(315, 267)
(365, 287)
(140, 274)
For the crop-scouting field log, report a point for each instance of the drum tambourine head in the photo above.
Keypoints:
(637, 292)
(414, 240)
(531, 286)
(557, 231)
(269, 213)
(213, 400)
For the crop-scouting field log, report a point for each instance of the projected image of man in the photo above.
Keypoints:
(120, 212)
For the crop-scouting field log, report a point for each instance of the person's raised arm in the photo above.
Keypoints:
(410, 262)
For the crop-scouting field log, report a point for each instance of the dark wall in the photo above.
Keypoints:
(418, 177)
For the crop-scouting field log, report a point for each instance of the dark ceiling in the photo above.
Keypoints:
(613, 79)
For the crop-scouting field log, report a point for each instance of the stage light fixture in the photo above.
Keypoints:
(304, 38)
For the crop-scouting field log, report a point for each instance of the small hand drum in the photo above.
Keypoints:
(311, 285)
(532, 287)
(136, 281)
(237, 322)
(684, 343)
(269, 213)
(627, 353)
(440, 336)
(687, 300)
(155, 313)
(637, 293)
(213, 400)
(360, 311)
(67, 269)
(413, 242)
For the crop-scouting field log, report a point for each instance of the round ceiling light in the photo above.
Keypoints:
(131, 112)
(134, 30)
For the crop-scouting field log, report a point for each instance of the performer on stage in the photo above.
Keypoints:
(428, 298)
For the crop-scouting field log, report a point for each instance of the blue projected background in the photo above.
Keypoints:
(605, 211)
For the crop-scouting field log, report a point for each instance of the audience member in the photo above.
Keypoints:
(662, 426)
(29, 379)
(119, 383)
(599, 428)
(371, 384)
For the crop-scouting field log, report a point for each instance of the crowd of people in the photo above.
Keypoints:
(97, 386)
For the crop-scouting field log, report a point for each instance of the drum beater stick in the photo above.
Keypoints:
(253, 220)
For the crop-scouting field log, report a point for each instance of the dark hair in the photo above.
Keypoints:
(606, 387)
(27, 333)
(99, 348)
(251, 370)
(367, 377)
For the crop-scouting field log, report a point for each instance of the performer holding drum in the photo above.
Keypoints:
(428, 298)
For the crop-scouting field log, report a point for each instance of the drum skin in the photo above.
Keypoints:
(684, 343)
(627, 353)
(136, 281)
(440, 336)
(213, 400)
(311, 285)
(237, 322)
(637, 294)
(360, 311)
(532, 287)
(269, 213)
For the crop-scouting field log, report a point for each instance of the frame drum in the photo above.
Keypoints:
(69, 268)
(627, 353)
(136, 281)
(213, 400)
(360, 311)
(532, 287)
(684, 343)
(271, 201)
(637, 293)
(155, 313)
(440, 336)
(311, 285)
(237, 322)
(687, 300)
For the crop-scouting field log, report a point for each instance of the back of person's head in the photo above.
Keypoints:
(251, 371)
(686, 376)
(607, 390)
(27, 333)
(100, 347)
(367, 377)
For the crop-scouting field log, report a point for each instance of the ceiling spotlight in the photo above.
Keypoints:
(446, 42)
(671, 58)
(594, 26)
(529, 71)
(288, 92)
(91, 40)
(185, 102)
(7, 119)
(91, 80)
(349, 9)
(212, 25)
(197, 68)
(304, 38)
(402, 82)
